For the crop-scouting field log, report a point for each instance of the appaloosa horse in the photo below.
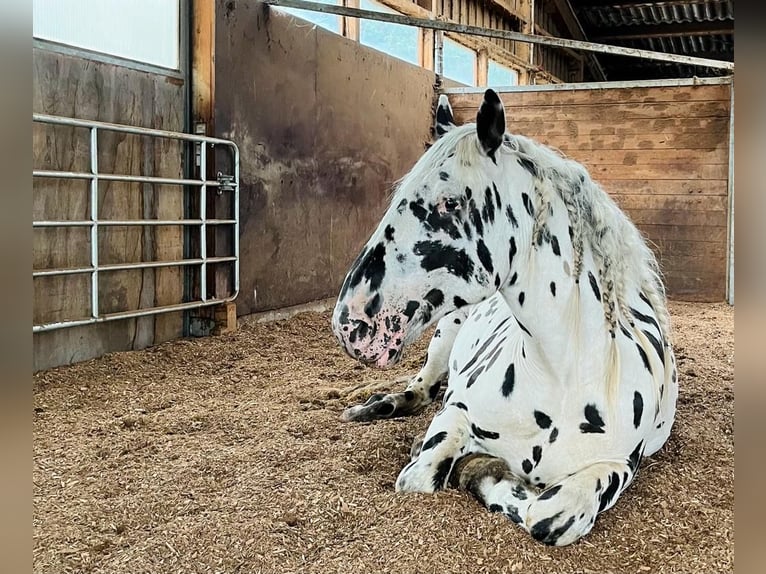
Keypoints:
(552, 328)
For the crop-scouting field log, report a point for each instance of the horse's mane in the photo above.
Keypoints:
(623, 257)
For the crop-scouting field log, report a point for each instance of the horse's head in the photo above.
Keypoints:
(438, 246)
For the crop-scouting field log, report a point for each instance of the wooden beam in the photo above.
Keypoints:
(571, 53)
(500, 34)
(640, 31)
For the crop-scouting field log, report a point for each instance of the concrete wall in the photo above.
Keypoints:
(661, 152)
(71, 86)
(325, 126)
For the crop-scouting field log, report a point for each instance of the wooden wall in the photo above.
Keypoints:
(661, 152)
(76, 87)
(325, 126)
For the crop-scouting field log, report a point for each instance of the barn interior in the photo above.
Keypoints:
(261, 147)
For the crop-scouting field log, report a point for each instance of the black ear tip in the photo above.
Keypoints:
(491, 97)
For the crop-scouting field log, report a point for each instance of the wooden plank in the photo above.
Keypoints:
(580, 143)
(718, 92)
(686, 248)
(679, 170)
(680, 217)
(673, 232)
(668, 187)
(612, 111)
(657, 157)
(712, 203)
(595, 126)
(695, 287)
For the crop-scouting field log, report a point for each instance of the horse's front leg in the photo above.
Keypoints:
(423, 387)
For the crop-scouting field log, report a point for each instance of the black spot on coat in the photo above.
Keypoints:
(594, 285)
(645, 318)
(526, 465)
(528, 204)
(644, 358)
(611, 490)
(484, 434)
(459, 302)
(435, 297)
(436, 255)
(373, 306)
(434, 440)
(638, 409)
(537, 454)
(542, 420)
(550, 493)
(512, 251)
(594, 424)
(442, 472)
(555, 245)
(488, 211)
(409, 311)
(475, 218)
(553, 288)
(484, 256)
(511, 216)
(509, 380)
(635, 457)
(656, 344)
(528, 164)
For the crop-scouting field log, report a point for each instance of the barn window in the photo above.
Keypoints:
(329, 22)
(459, 63)
(395, 39)
(144, 31)
(499, 75)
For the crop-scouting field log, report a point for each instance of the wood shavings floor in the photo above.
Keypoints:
(227, 454)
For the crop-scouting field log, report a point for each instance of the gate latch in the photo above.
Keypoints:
(225, 182)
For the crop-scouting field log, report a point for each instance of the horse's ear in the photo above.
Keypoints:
(490, 122)
(444, 118)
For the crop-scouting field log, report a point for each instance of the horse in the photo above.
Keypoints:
(552, 329)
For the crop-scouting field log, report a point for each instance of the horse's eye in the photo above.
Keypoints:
(451, 204)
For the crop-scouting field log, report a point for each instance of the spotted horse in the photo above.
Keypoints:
(552, 334)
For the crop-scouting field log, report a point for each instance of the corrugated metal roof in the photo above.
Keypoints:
(599, 19)
(659, 13)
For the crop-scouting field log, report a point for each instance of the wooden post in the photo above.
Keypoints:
(225, 318)
(351, 25)
(482, 68)
(219, 282)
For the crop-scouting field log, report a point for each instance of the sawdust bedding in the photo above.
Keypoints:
(227, 454)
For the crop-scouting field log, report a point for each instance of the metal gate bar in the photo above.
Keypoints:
(224, 183)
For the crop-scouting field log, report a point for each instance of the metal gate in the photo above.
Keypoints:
(224, 183)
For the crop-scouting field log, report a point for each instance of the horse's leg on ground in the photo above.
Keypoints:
(559, 515)
(423, 387)
(434, 457)
(566, 511)
(493, 484)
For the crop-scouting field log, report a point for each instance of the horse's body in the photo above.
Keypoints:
(552, 334)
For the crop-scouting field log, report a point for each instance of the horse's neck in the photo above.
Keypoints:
(564, 319)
